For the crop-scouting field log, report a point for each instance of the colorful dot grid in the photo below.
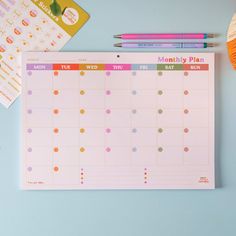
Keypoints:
(127, 123)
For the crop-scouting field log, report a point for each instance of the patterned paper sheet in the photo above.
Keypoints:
(31, 26)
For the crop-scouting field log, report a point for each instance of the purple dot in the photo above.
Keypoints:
(108, 73)
(29, 111)
(29, 73)
(134, 111)
(134, 130)
(134, 73)
(30, 150)
(108, 92)
(29, 168)
(108, 149)
(29, 92)
(29, 131)
(134, 149)
(108, 130)
(134, 92)
(108, 111)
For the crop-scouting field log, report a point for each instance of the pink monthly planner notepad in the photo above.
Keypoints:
(108, 121)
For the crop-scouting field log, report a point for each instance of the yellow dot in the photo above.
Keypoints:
(82, 131)
(82, 92)
(82, 73)
(82, 149)
(82, 111)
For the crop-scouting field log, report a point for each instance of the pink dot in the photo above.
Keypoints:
(29, 169)
(186, 130)
(29, 111)
(186, 111)
(29, 131)
(29, 73)
(108, 149)
(186, 149)
(82, 182)
(30, 150)
(186, 92)
(108, 111)
(108, 73)
(108, 92)
(29, 92)
(108, 130)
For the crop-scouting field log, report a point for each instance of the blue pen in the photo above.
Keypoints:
(163, 45)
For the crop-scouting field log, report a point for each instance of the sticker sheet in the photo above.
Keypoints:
(37, 25)
(117, 121)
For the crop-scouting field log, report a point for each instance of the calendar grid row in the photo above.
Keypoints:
(57, 162)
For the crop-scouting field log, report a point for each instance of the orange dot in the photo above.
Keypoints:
(82, 92)
(55, 92)
(56, 73)
(82, 73)
(56, 149)
(82, 111)
(56, 169)
(82, 149)
(56, 111)
(56, 130)
(82, 131)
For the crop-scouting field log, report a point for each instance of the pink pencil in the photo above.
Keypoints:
(165, 36)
